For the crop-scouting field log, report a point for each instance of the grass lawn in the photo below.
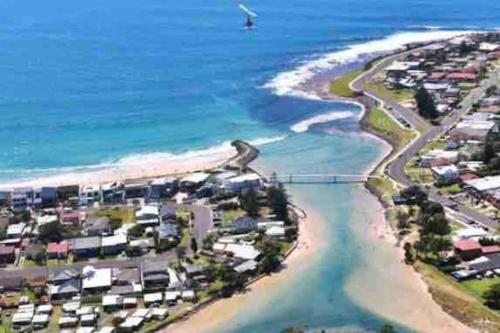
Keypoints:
(228, 216)
(420, 175)
(450, 189)
(478, 287)
(340, 86)
(455, 226)
(126, 215)
(384, 186)
(458, 300)
(396, 95)
(27, 263)
(285, 246)
(379, 121)
(54, 320)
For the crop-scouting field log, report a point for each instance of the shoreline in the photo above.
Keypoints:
(214, 314)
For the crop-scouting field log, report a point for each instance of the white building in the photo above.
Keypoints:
(96, 279)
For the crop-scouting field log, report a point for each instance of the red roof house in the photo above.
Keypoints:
(459, 76)
(490, 249)
(57, 250)
(437, 75)
(467, 249)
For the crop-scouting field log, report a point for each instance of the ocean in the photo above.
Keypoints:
(97, 84)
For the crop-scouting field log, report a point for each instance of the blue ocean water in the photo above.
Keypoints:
(86, 83)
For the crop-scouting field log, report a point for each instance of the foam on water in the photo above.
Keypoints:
(133, 165)
(290, 82)
(304, 125)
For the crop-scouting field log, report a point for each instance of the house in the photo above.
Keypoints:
(171, 297)
(243, 251)
(69, 217)
(7, 255)
(126, 276)
(63, 275)
(194, 181)
(65, 289)
(244, 224)
(473, 129)
(438, 154)
(490, 262)
(133, 289)
(40, 321)
(96, 279)
(112, 193)
(112, 303)
(462, 77)
(154, 275)
(148, 216)
(46, 219)
(241, 183)
(480, 186)
(86, 247)
(66, 322)
(16, 230)
(98, 226)
(112, 245)
(45, 197)
(136, 190)
(248, 266)
(445, 174)
(143, 244)
(44, 309)
(168, 231)
(276, 231)
(33, 250)
(161, 188)
(188, 295)
(21, 198)
(57, 250)
(153, 298)
(4, 198)
(467, 249)
(68, 192)
(13, 283)
(90, 194)
(131, 324)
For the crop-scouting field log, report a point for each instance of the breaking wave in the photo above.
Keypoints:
(290, 82)
(304, 125)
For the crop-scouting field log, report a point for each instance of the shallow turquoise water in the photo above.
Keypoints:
(89, 83)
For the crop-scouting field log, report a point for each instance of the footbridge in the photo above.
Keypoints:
(319, 178)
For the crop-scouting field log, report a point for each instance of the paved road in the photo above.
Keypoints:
(396, 168)
(202, 222)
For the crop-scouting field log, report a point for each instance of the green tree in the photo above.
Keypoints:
(409, 255)
(250, 202)
(194, 245)
(115, 223)
(425, 104)
(135, 231)
(492, 296)
(51, 232)
(40, 257)
(278, 201)
(270, 250)
(387, 328)
(403, 220)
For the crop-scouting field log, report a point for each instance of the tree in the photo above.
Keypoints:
(492, 296)
(250, 202)
(403, 220)
(409, 255)
(40, 257)
(436, 224)
(278, 201)
(387, 328)
(270, 250)
(194, 245)
(414, 195)
(425, 104)
(135, 231)
(115, 223)
(51, 232)
(180, 252)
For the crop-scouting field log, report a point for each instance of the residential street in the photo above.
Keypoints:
(396, 168)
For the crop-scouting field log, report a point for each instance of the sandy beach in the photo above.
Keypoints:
(133, 168)
(385, 285)
(209, 318)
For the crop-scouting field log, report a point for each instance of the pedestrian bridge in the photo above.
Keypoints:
(319, 178)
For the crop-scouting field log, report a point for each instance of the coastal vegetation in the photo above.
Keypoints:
(340, 86)
(379, 122)
(396, 95)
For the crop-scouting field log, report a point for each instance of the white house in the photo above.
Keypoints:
(445, 174)
(96, 279)
(148, 215)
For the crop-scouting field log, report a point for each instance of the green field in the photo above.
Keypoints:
(126, 215)
(340, 86)
(396, 95)
(478, 287)
(380, 122)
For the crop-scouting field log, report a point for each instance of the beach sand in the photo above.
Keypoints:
(135, 168)
(385, 285)
(214, 315)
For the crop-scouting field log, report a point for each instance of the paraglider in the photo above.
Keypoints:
(250, 15)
